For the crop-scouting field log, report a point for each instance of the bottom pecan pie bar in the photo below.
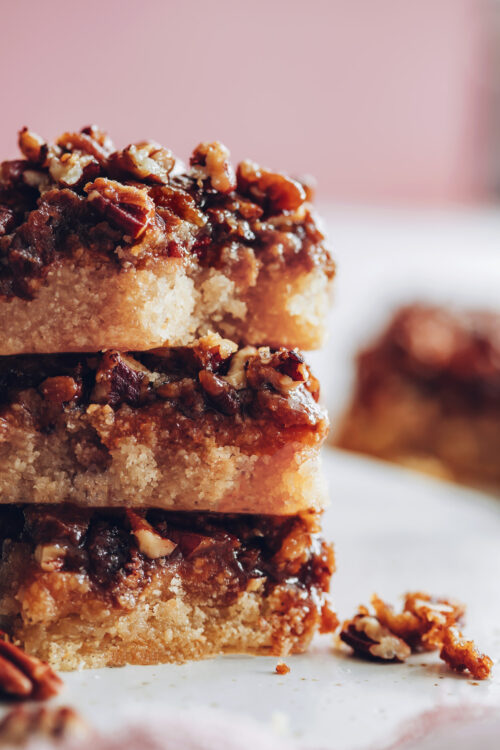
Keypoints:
(106, 587)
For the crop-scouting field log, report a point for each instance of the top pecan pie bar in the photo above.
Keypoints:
(130, 249)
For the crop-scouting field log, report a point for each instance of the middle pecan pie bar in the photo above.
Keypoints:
(206, 427)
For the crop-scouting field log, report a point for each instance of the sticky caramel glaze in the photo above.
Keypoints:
(215, 555)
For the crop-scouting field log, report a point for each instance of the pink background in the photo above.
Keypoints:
(382, 100)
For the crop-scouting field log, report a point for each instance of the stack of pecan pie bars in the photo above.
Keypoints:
(159, 432)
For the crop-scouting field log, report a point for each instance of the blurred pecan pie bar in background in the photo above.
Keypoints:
(206, 427)
(427, 395)
(131, 250)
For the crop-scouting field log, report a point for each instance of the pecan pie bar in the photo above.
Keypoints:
(104, 587)
(206, 427)
(428, 395)
(129, 249)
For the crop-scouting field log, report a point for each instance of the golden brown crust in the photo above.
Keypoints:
(23, 676)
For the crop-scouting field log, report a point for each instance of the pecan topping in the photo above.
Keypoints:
(463, 655)
(211, 162)
(149, 541)
(273, 191)
(24, 676)
(145, 161)
(368, 638)
(129, 208)
(203, 214)
(21, 724)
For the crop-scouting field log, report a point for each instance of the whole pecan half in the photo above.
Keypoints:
(32, 146)
(87, 143)
(148, 162)
(371, 640)
(22, 724)
(211, 162)
(273, 191)
(24, 676)
(127, 207)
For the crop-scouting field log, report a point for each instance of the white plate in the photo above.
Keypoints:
(394, 531)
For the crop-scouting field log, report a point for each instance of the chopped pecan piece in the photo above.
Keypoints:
(283, 370)
(282, 668)
(173, 204)
(120, 379)
(211, 162)
(422, 620)
(463, 655)
(236, 376)
(12, 174)
(127, 207)
(60, 389)
(74, 169)
(86, 143)
(50, 556)
(329, 620)
(32, 146)
(211, 350)
(7, 220)
(100, 137)
(371, 640)
(24, 676)
(21, 724)
(273, 191)
(145, 161)
(220, 391)
(149, 541)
